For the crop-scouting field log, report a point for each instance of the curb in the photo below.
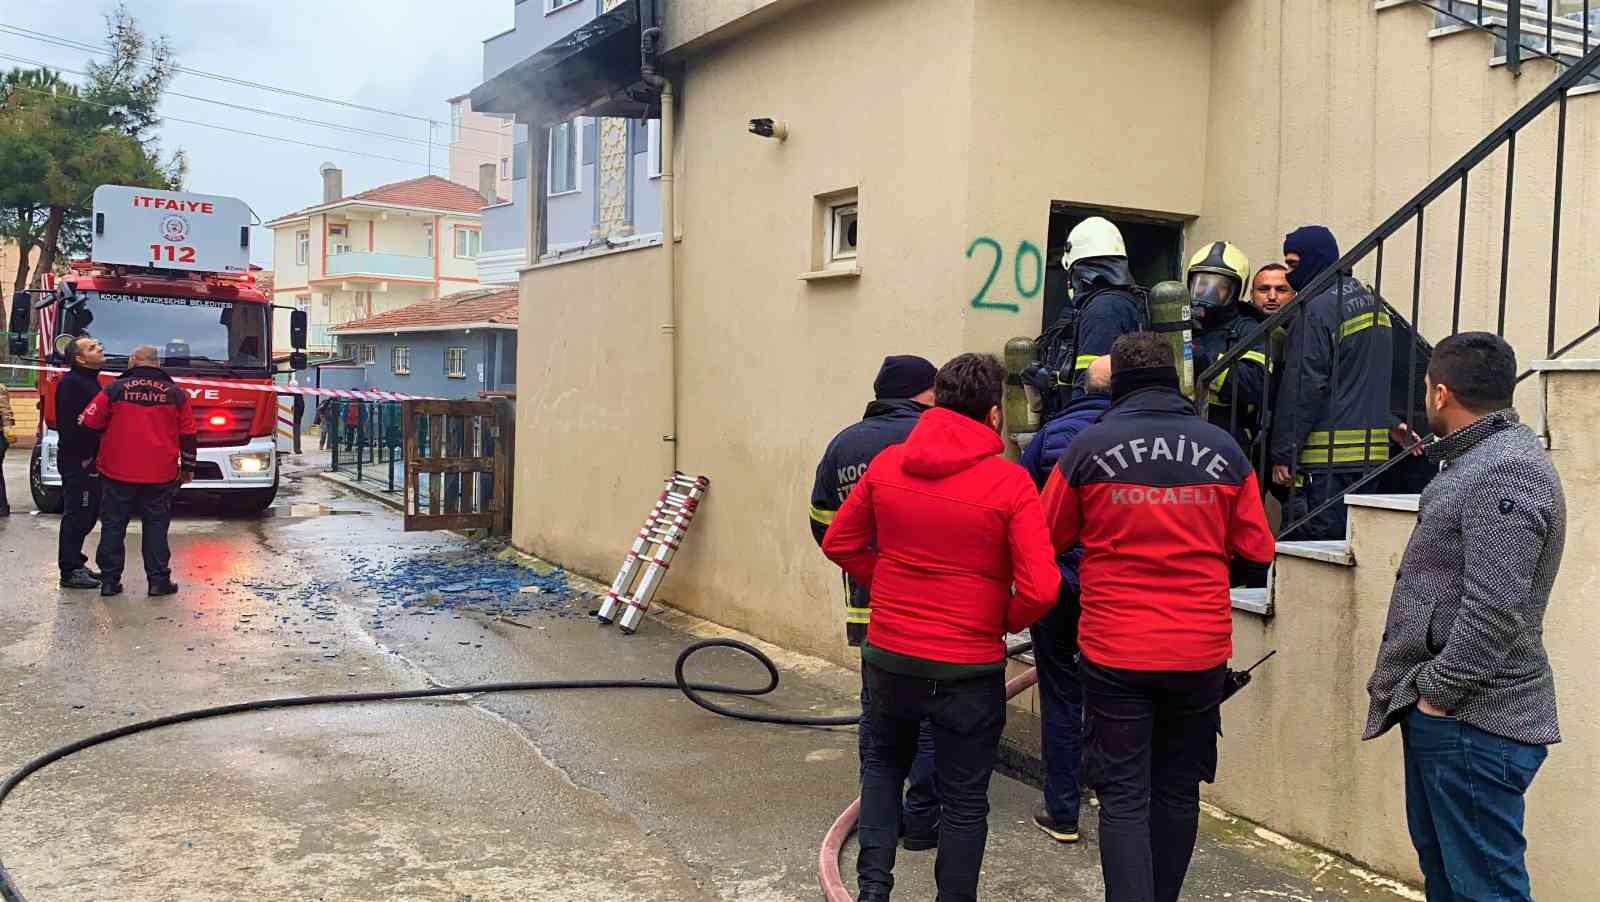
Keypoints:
(380, 496)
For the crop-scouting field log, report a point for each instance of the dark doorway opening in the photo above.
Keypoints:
(1155, 250)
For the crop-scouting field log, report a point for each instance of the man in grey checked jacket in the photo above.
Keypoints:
(1462, 667)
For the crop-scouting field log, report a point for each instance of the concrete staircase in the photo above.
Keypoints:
(1561, 36)
(1291, 754)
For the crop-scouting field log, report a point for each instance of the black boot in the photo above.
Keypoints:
(108, 589)
(163, 587)
(80, 578)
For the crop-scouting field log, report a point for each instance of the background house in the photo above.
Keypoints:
(477, 140)
(602, 175)
(457, 346)
(352, 257)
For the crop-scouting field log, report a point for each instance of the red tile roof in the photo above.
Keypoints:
(430, 192)
(478, 307)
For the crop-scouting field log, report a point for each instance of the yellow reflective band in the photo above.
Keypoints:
(1083, 361)
(1345, 446)
(825, 517)
(1222, 378)
(856, 615)
(1364, 321)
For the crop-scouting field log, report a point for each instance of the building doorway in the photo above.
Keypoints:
(1155, 250)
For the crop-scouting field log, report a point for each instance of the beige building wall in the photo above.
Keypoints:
(483, 139)
(1291, 753)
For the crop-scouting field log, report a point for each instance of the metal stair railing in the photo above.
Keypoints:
(1509, 22)
(1372, 246)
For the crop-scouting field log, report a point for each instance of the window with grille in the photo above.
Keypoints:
(400, 360)
(369, 355)
(455, 363)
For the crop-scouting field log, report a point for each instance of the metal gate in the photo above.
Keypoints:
(458, 465)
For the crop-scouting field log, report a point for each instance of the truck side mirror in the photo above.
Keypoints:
(21, 313)
(297, 360)
(297, 330)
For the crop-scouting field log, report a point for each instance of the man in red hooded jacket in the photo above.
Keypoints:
(941, 528)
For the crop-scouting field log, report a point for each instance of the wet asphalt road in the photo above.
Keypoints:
(578, 795)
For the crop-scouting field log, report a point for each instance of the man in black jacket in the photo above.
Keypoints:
(75, 454)
(902, 390)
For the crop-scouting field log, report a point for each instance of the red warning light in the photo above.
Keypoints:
(217, 419)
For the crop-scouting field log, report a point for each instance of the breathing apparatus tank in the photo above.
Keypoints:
(1170, 316)
(1019, 412)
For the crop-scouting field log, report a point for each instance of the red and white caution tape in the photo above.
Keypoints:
(269, 387)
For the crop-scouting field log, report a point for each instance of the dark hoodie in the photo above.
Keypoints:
(941, 528)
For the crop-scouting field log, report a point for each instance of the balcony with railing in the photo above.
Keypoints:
(367, 264)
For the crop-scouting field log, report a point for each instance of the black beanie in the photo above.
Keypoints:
(1125, 382)
(903, 376)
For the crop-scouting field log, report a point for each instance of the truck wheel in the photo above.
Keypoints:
(45, 497)
(255, 501)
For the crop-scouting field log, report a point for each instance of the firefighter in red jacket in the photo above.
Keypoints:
(147, 450)
(1169, 513)
(949, 539)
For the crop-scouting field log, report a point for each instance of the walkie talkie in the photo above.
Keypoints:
(1238, 679)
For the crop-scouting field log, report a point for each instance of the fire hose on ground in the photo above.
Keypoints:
(832, 885)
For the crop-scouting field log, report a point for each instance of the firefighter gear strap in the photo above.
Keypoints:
(825, 517)
(853, 614)
(1364, 321)
(1345, 446)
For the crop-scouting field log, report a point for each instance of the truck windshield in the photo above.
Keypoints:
(190, 334)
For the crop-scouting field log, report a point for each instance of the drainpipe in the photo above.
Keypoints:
(669, 294)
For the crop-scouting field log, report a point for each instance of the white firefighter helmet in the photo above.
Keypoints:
(1094, 237)
(1218, 275)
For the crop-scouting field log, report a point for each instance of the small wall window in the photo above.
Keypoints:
(551, 6)
(458, 111)
(338, 239)
(842, 233)
(369, 355)
(455, 363)
(505, 167)
(427, 231)
(302, 247)
(400, 360)
(468, 243)
(566, 152)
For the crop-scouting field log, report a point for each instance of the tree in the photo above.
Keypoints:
(59, 141)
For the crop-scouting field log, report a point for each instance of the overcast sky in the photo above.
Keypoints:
(396, 55)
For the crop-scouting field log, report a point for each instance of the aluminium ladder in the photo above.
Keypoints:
(656, 543)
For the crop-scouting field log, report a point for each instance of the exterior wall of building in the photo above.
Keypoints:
(481, 139)
(10, 257)
(1291, 754)
(485, 350)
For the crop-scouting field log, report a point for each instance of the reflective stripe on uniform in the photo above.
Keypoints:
(1345, 446)
(825, 517)
(1083, 361)
(854, 614)
(1222, 378)
(1364, 321)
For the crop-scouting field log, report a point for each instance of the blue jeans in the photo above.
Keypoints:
(1464, 806)
(1055, 641)
(966, 718)
(921, 814)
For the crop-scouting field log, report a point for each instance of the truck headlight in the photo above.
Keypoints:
(251, 462)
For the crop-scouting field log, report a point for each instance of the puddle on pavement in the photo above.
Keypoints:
(309, 509)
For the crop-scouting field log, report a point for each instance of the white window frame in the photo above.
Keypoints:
(554, 6)
(339, 247)
(577, 126)
(427, 229)
(302, 247)
(369, 355)
(833, 256)
(396, 366)
(458, 112)
(452, 357)
(456, 248)
(652, 142)
(505, 167)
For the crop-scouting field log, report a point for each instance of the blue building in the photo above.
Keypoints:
(602, 174)
(460, 346)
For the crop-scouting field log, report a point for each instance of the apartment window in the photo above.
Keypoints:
(339, 239)
(505, 167)
(400, 360)
(566, 151)
(468, 243)
(458, 111)
(302, 247)
(653, 147)
(834, 227)
(369, 355)
(427, 231)
(551, 6)
(455, 363)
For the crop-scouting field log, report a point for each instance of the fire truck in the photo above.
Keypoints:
(171, 270)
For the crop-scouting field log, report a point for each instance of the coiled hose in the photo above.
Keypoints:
(833, 889)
